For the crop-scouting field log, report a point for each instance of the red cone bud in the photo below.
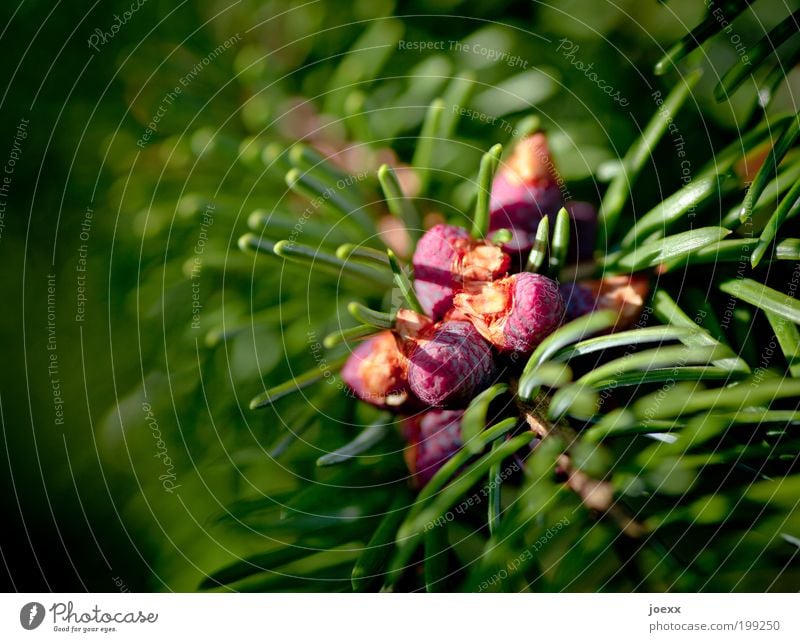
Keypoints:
(446, 259)
(515, 313)
(624, 294)
(584, 230)
(578, 299)
(433, 437)
(452, 366)
(376, 372)
(523, 191)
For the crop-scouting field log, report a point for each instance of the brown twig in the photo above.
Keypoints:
(596, 495)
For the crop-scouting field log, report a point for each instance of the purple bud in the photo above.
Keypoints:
(584, 230)
(445, 259)
(578, 298)
(433, 438)
(525, 189)
(623, 294)
(436, 252)
(450, 367)
(516, 313)
(376, 372)
(522, 217)
(435, 299)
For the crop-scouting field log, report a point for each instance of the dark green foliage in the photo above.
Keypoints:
(681, 436)
(686, 427)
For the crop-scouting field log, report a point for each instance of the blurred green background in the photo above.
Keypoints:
(156, 437)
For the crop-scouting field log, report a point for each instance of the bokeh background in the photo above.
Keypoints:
(110, 404)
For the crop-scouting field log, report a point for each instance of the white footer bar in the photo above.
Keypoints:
(386, 618)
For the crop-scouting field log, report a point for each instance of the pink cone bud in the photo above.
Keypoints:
(578, 299)
(433, 438)
(376, 372)
(451, 367)
(525, 188)
(410, 326)
(446, 259)
(584, 230)
(624, 294)
(516, 313)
